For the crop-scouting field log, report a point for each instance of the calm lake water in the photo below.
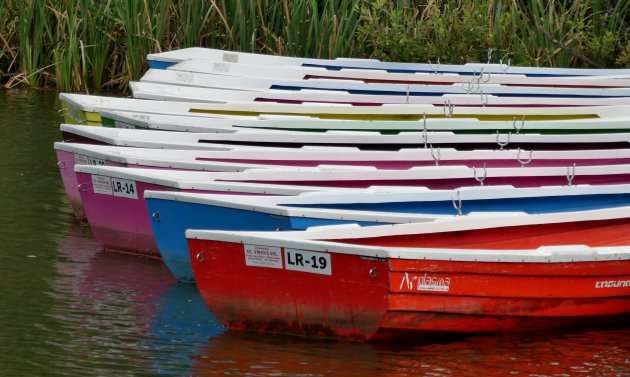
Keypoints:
(67, 308)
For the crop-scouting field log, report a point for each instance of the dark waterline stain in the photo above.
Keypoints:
(67, 308)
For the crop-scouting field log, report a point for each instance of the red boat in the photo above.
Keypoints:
(473, 273)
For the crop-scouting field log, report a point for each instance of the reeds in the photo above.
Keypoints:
(95, 45)
(7, 31)
(87, 44)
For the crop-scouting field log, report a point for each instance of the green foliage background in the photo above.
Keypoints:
(102, 44)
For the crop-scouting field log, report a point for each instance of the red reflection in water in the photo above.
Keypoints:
(595, 352)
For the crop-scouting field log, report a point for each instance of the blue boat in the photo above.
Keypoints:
(163, 60)
(172, 213)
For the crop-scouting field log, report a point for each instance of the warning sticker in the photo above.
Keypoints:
(230, 58)
(80, 159)
(221, 67)
(146, 117)
(102, 185)
(263, 256)
(125, 125)
(184, 76)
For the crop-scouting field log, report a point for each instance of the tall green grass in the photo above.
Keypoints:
(81, 45)
(87, 44)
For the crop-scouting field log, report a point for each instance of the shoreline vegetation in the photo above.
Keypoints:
(94, 45)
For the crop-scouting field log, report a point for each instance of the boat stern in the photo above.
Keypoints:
(281, 290)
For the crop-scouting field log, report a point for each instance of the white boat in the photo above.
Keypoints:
(168, 58)
(194, 122)
(357, 139)
(175, 76)
(169, 92)
(239, 158)
(316, 74)
(81, 108)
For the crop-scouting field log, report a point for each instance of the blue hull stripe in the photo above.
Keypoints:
(157, 64)
(393, 70)
(534, 205)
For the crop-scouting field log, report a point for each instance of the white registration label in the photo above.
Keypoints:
(307, 261)
(221, 67)
(124, 188)
(141, 116)
(184, 76)
(119, 124)
(80, 159)
(230, 58)
(263, 256)
(102, 185)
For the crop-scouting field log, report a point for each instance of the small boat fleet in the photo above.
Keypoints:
(365, 200)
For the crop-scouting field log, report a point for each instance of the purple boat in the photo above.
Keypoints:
(238, 159)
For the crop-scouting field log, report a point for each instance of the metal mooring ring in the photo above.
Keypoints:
(373, 272)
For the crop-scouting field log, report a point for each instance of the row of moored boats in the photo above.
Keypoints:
(365, 200)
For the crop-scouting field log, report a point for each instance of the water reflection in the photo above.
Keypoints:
(34, 217)
(568, 353)
(125, 312)
(180, 328)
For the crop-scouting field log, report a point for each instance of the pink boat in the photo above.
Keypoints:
(237, 159)
(114, 205)
(115, 208)
(69, 155)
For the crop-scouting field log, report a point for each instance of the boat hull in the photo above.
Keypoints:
(410, 164)
(454, 183)
(66, 162)
(119, 223)
(282, 301)
(593, 233)
(381, 298)
(74, 115)
(175, 217)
